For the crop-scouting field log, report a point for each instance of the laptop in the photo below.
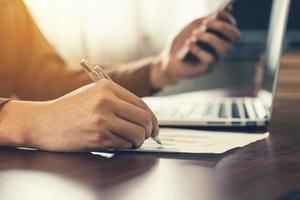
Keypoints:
(191, 110)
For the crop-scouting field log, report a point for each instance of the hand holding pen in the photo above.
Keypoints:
(96, 74)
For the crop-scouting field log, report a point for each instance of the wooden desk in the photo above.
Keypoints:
(268, 169)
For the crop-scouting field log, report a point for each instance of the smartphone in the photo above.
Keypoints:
(187, 56)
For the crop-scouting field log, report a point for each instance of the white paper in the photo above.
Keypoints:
(106, 155)
(195, 141)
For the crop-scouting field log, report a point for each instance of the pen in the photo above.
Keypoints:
(96, 73)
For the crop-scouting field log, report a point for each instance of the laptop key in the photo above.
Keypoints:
(241, 109)
(222, 111)
(249, 108)
(228, 111)
(235, 110)
(245, 111)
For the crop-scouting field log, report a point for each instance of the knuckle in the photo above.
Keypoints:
(105, 83)
(98, 137)
(99, 121)
(105, 101)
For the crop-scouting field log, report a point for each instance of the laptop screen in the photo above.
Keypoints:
(276, 36)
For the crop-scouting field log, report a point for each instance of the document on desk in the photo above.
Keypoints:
(197, 142)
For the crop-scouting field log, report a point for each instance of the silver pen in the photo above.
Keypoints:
(96, 73)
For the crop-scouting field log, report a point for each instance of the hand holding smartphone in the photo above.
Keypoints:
(186, 56)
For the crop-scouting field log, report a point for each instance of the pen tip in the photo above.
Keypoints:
(158, 140)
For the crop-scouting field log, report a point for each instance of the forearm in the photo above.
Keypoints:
(143, 77)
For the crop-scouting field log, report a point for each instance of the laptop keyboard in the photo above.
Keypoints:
(235, 108)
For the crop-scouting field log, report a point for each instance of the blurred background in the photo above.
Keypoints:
(118, 31)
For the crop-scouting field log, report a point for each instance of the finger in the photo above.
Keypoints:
(205, 57)
(116, 142)
(155, 131)
(127, 96)
(231, 32)
(218, 44)
(227, 17)
(229, 8)
(134, 114)
(128, 131)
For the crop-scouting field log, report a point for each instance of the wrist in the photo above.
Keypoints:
(17, 123)
(159, 77)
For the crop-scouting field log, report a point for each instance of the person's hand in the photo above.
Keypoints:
(169, 68)
(101, 115)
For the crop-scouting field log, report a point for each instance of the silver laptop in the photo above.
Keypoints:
(189, 110)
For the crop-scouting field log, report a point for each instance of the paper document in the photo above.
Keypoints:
(195, 141)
